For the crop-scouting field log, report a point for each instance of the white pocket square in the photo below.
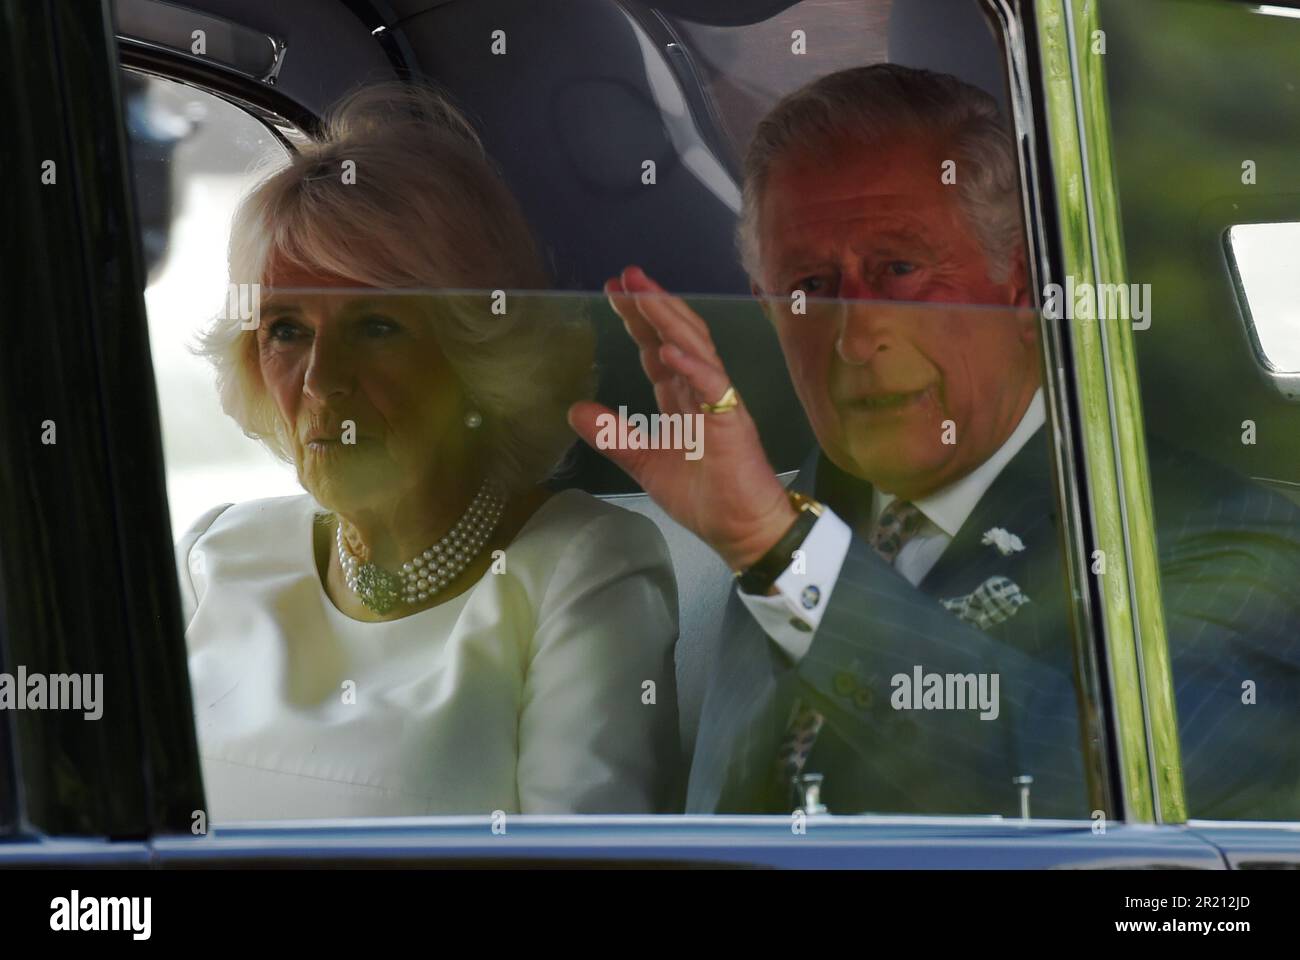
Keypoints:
(994, 601)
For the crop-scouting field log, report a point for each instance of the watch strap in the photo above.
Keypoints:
(764, 572)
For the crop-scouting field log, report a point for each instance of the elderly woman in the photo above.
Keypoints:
(445, 636)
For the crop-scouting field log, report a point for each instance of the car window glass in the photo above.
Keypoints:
(193, 154)
(443, 604)
(1204, 126)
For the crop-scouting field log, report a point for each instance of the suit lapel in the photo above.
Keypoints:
(749, 703)
(847, 495)
(1018, 500)
(746, 711)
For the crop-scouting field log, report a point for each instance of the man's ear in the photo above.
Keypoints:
(1021, 295)
(757, 293)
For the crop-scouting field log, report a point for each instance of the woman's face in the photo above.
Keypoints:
(373, 411)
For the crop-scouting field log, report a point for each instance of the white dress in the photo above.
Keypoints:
(547, 688)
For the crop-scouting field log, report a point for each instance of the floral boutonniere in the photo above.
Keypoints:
(1007, 543)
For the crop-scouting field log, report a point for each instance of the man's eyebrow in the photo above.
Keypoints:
(802, 260)
(890, 240)
(804, 254)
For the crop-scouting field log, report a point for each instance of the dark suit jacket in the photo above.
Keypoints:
(1230, 565)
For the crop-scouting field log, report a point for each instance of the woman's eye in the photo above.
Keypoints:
(379, 326)
(282, 331)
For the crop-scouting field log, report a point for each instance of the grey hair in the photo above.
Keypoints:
(425, 209)
(873, 104)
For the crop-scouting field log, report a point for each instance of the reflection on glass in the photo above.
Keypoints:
(1263, 255)
(425, 630)
(428, 628)
(192, 156)
(1198, 152)
(433, 628)
(330, 681)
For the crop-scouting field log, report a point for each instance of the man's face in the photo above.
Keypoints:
(880, 381)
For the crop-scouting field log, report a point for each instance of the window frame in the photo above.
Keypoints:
(1244, 844)
(89, 523)
(1285, 382)
(1110, 421)
(1034, 170)
(287, 120)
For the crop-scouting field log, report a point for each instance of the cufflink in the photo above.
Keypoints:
(810, 597)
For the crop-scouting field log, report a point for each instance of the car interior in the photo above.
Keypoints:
(595, 88)
(573, 98)
(589, 89)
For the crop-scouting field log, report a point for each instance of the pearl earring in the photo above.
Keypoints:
(473, 419)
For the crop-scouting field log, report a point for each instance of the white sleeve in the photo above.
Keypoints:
(192, 581)
(598, 718)
(791, 616)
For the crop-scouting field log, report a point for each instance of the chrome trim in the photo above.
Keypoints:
(1086, 625)
(1116, 451)
(1285, 382)
(876, 841)
(286, 131)
(1244, 825)
(1287, 483)
(692, 149)
(279, 49)
(278, 45)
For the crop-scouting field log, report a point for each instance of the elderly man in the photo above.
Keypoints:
(918, 558)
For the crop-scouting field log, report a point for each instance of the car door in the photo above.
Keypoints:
(1189, 215)
(87, 597)
(88, 579)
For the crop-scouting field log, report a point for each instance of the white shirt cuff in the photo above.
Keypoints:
(792, 614)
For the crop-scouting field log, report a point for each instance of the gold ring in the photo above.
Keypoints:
(729, 401)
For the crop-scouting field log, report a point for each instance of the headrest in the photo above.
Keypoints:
(949, 36)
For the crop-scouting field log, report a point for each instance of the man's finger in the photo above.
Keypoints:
(674, 395)
(624, 304)
(642, 333)
(671, 318)
(654, 368)
(635, 280)
(707, 381)
(585, 417)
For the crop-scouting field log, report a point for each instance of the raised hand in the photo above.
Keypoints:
(730, 497)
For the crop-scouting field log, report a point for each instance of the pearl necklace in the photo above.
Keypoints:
(425, 574)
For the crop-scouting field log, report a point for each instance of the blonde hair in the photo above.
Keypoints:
(425, 208)
(877, 104)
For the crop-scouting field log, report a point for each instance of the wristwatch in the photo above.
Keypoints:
(760, 577)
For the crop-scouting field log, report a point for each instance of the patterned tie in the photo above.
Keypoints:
(899, 523)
